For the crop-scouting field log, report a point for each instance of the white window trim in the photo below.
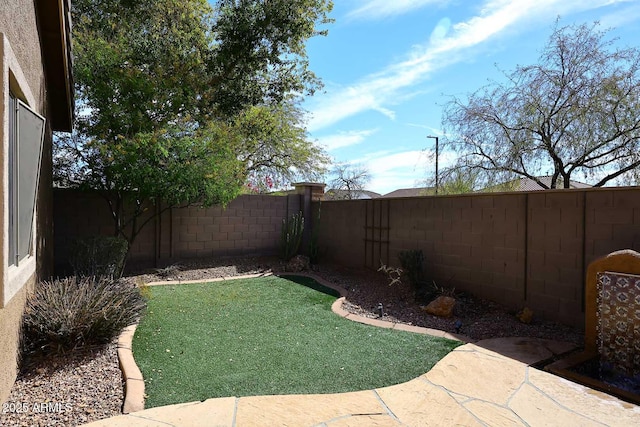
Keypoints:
(14, 278)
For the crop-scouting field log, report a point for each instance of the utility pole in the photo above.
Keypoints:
(437, 149)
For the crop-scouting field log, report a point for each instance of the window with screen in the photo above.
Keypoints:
(26, 134)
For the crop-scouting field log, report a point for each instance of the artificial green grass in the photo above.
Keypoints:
(267, 336)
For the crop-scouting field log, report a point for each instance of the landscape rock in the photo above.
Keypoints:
(525, 316)
(297, 264)
(441, 306)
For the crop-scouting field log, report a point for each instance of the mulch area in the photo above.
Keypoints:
(85, 386)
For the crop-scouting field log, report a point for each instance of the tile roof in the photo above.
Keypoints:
(410, 192)
(341, 194)
(528, 184)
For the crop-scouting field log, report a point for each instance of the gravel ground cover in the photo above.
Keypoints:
(88, 386)
(66, 390)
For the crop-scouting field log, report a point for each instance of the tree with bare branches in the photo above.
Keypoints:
(576, 112)
(349, 181)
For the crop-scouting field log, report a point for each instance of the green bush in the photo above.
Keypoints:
(291, 236)
(73, 312)
(412, 263)
(98, 256)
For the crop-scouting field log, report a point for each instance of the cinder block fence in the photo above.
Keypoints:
(248, 225)
(519, 249)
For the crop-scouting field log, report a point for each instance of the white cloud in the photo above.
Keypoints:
(387, 112)
(344, 139)
(403, 161)
(440, 31)
(406, 169)
(392, 170)
(436, 131)
(384, 184)
(622, 16)
(378, 9)
(449, 43)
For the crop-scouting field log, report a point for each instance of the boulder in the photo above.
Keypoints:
(297, 264)
(525, 316)
(441, 306)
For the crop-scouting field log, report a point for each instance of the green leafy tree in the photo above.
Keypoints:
(458, 181)
(260, 53)
(575, 112)
(147, 173)
(166, 90)
(275, 147)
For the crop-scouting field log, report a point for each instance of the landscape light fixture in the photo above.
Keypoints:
(437, 148)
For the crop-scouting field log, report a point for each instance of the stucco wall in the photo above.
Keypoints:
(18, 24)
(9, 342)
(22, 71)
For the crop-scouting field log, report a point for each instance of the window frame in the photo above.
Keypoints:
(12, 79)
(19, 246)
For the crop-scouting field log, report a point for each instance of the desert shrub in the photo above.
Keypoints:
(291, 236)
(67, 313)
(98, 256)
(444, 290)
(169, 271)
(412, 263)
(394, 274)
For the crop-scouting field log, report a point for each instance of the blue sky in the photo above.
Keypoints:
(390, 65)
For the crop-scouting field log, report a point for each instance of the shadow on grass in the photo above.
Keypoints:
(310, 283)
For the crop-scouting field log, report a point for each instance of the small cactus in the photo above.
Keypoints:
(291, 235)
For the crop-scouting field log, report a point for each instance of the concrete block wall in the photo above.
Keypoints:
(248, 225)
(514, 248)
(341, 232)
(76, 214)
(555, 254)
(612, 222)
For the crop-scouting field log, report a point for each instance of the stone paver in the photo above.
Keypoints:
(212, 412)
(467, 370)
(419, 403)
(537, 409)
(471, 386)
(584, 400)
(217, 412)
(492, 414)
(297, 410)
(364, 421)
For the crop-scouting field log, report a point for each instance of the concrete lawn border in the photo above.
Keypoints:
(131, 374)
(337, 309)
(134, 382)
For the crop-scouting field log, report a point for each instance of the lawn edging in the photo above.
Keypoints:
(134, 381)
(336, 307)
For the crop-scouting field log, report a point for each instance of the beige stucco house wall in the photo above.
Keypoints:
(35, 68)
